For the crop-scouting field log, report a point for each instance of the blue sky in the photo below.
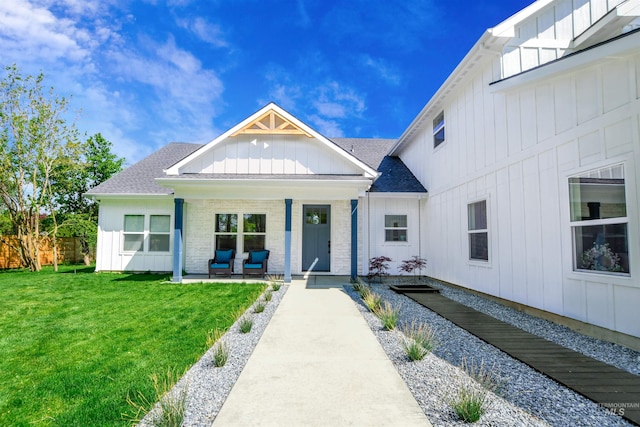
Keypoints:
(146, 73)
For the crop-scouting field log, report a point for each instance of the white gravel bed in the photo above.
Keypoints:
(207, 385)
(524, 398)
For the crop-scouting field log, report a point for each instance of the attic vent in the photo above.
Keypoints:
(271, 123)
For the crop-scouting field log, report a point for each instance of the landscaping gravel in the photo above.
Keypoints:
(207, 385)
(524, 397)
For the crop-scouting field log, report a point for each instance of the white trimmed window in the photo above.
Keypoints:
(599, 221)
(252, 231)
(438, 129)
(133, 233)
(159, 233)
(478, 231)
(395, 228)
(140, 236)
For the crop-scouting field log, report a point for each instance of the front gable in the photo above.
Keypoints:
(271, 142)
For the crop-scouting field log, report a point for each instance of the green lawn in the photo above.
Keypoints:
(74, 345)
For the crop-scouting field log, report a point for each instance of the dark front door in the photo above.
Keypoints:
(316, 238)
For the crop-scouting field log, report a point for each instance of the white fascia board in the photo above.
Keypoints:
(491, 42)
(478, 51)
(577, 60)
(610, 23)
(367, 171)
(175, 169)
(252, 189)
(136, 196)
(412, 195)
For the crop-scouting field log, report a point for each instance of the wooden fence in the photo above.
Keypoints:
(69, 251)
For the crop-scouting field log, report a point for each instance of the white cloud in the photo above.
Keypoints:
(204, 30)
(33, 31)
(329, 103)
(328, 128)
(383, 69)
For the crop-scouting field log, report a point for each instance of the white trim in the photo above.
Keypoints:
(576, 60)
(367, 171)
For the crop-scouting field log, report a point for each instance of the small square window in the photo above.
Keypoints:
(395, 228)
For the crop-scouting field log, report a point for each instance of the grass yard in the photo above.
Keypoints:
(74, 345)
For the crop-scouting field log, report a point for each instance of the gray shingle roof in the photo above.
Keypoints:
(396, 178)
(368, 150)
(140, 177)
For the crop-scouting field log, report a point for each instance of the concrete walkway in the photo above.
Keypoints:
(319, 364)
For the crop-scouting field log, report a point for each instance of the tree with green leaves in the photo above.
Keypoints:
(35, 143)
(79, 215)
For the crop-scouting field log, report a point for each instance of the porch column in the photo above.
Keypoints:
(177, 240)
(354, 239)
(287, 241)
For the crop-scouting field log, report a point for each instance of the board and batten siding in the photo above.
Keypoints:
(374, 209)
(548, 34)
(516, 149)
(110, 256)
(271, 154)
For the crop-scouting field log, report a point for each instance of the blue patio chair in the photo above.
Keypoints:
(256, 263)
(222, 262)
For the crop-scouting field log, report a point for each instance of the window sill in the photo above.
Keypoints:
(479, 263)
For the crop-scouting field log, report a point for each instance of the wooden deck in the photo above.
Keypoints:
(612, 388)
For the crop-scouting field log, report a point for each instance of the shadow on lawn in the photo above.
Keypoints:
(142, 277)
(80, 270)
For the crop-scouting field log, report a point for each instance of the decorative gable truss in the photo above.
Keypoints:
(271, 123)
(271, 141)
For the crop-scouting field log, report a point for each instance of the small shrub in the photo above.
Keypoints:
(245, 323)
(213, 335)
(373, 301)
(359, 287)
(413, 349)
(259, 307)
(378, 267)
(413, 264)
(268, 295)
(363, 290)
(468, 404)
(276, 281)
(221, 353)
(421, 334)
(388, 314)
(487, 378)
(172, 406)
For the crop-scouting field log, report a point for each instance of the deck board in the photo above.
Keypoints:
(604, 384)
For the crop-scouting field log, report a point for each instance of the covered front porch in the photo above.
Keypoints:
(304, 237)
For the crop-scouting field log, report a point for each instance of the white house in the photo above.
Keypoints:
(528, 151)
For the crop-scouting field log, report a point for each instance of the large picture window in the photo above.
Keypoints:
(478, 231)
(599, 220)
(395, 228)
(251, 231)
